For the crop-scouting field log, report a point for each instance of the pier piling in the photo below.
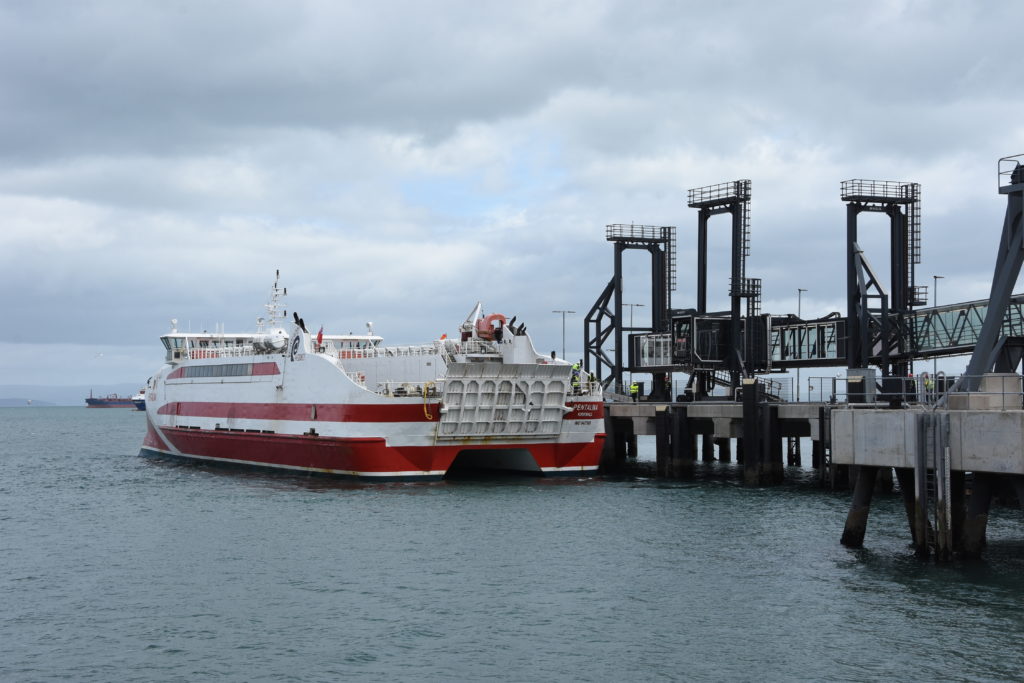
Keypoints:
(857, 519)
(725, 449)
(905, 478)
(793, 451)
(976, 522)
(707, 448)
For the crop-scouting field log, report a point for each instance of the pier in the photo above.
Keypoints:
(952, 443)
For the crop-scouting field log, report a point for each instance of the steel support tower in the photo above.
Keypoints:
(876, 317)
(992, 350)
(733, 198)
(605, 321)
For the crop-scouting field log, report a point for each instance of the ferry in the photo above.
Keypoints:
(351, 406)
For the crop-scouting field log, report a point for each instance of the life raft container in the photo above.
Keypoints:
(485, 328)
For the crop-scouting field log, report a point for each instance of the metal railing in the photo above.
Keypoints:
(734, 190)
(870, 190)
(435, 388)
(446, 347)
(218, 352)
(997, 392)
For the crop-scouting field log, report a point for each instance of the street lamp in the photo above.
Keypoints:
(799, 314)
(935, 303)
(631, 307)
(564, 313)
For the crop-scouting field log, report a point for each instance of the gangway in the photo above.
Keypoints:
(938, 331)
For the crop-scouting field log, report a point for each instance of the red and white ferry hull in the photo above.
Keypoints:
(366, 458)
(310, 410)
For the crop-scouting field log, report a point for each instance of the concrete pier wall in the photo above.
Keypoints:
(979, 440)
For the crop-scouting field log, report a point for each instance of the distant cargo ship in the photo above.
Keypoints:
(138, 401)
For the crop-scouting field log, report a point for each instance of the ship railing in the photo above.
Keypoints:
(471, 347)
(448, 348)
(587, 389)
(435, 388)
(220, 352)
(357, 377)
(386, 351)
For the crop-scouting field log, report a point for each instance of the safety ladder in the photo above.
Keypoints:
(932, 491)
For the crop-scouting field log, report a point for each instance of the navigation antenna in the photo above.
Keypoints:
(274, 305)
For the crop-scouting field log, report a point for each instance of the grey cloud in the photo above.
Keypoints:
(183, 151)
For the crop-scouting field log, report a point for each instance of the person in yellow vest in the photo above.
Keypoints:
(634, 390)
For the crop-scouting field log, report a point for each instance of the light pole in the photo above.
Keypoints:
(631, 307)
(799, 314)
(935, 303)
(564, 313)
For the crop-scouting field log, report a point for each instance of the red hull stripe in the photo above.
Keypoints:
(336, 412)
(360, 456)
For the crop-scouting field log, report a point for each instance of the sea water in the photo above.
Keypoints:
(120, 568)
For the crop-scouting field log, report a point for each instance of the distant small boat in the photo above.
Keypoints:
(138, 401)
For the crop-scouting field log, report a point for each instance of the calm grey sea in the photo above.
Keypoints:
(119, 568)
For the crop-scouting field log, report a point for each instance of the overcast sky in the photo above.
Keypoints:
(398, 161)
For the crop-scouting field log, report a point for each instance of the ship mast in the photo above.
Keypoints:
(275, 305)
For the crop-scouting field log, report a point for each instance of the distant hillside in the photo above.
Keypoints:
(63, 396)
(16, 402)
